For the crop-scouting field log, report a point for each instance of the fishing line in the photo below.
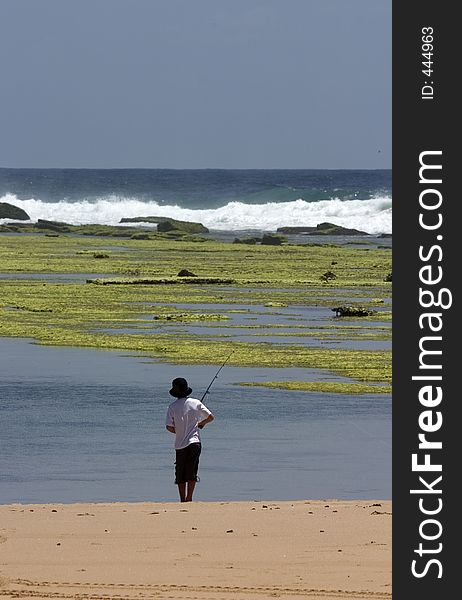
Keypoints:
(216, 376)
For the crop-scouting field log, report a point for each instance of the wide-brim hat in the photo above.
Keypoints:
(180, 388)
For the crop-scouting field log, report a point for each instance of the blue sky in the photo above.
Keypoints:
(196, 83)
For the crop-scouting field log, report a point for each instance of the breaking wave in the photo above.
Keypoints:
(372, 215)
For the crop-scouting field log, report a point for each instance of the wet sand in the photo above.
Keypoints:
(197, 551)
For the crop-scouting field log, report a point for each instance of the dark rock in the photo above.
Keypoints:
(56, 223)
(322, 229)
(247, 240)
(385, 235)
(352, 311)
(389, 277)
(186, 273)
(18, 227)
(9, 211)
(327, 276)
(331, 229)
(97, 230)
(143, 220)
(53, 225)
(167, 224)
(295, 229)
(270, 239)
(325, 226)
(162, 281)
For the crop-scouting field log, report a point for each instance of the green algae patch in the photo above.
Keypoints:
(166, 257)
(73, 314)
(383, 315)
(320, 335)
(276, 304)
(189, 317)
(322, 387)
(163, 281)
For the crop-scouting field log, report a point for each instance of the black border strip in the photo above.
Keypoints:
(424, 121)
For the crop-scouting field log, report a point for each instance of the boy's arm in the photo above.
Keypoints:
(169, 421)
(204, 422)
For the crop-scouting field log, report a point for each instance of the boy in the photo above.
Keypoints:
(185, 417)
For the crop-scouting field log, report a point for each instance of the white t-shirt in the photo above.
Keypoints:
(184, 414)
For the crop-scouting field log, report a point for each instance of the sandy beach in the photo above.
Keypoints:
(205, 551)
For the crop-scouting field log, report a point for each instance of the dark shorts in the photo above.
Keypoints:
(187, 463)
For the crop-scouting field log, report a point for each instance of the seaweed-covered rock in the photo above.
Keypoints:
(154, 220)
(104, 230)
(270, 239)
(53, 225)
(246, 240)
(161, 281)
(9, 211)
(332, 229)
(322, 229)
(327, 276)
(352, 311)
(99, 230)
(186, 273)
(388, 277)
(167, 224)
(303, 229)
(18, 227)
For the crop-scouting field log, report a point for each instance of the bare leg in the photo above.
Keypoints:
(191, 486)
(182, 491)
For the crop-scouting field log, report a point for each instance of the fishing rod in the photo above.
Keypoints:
(216, 376)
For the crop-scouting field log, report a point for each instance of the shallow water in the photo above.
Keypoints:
(296, 314)
(244, 326)
(88, 425)
(311, 342)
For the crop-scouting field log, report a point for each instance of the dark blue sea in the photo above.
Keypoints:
(223, 200)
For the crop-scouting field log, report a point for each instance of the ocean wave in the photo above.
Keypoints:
(372, 216)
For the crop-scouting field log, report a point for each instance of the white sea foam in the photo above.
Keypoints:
(372, 216)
